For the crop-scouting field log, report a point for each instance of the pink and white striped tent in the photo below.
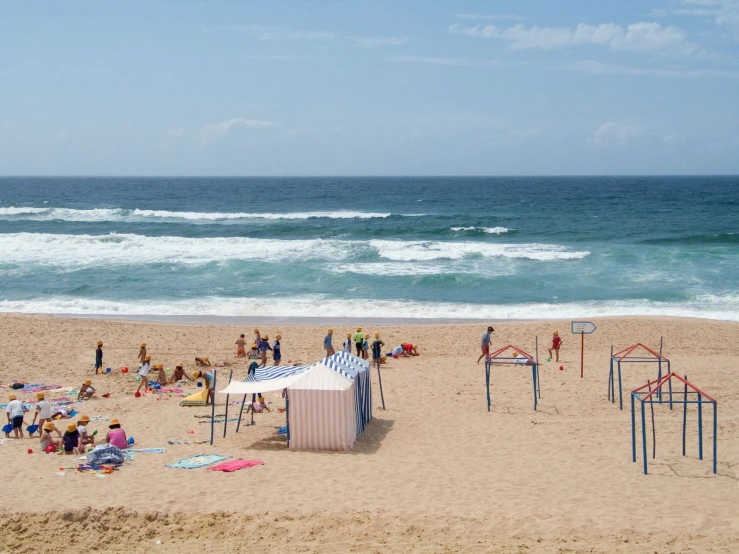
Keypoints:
(322, 410)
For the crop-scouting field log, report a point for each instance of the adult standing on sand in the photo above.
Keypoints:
(485, 344)
(327, 343)
(99, 357)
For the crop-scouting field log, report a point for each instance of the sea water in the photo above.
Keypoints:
(488, 248)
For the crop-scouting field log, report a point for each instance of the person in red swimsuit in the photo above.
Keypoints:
(556, 343)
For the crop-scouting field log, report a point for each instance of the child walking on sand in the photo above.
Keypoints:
(485, 344)
(263, 347)
(240, 346)
(556, 344)
(99, 357)
(327, 346)
(15, 413)
(144, 374)
(43, 411)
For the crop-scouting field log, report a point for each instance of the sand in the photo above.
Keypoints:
(434, 472)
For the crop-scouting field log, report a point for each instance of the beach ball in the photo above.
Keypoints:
(130, 441)
(50, 449)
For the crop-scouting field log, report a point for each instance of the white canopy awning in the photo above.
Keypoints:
(253, 387)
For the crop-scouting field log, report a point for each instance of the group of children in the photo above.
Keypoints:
(259, 348)
(360, 341)
(553, 351)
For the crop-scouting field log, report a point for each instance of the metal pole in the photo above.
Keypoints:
(611, 395)
(487, 381)
(582, 354)
(538, 380)
(685, 413)
(379, 379)
(633, 431)
(654, 432)
(241, 411)
(225, 419)
(212, 406)
(644, 436)
(533, 378)
(620, 388)
(700, 428)
(253, 398)
(669, 383)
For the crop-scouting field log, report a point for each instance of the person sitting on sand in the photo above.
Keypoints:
(144, 374)
(99, 357)
(72, 441)
(85, 437)
(116, 436)
(15, 412)
(86, 390)
(240, 346)
(520, 359)
(258, 406)
(46, 438)
(556, 344)
(262, 348)
(178, 374)
(202, 362)
(142, 353)
(410, 349)
(208, 379)
(161, 375)
(327, 340)
(43, 412)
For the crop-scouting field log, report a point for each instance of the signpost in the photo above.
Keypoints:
(582, 328)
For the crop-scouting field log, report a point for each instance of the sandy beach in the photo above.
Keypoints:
(434, 472)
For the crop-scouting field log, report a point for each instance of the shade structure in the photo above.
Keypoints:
(356, 369)
(266, 379)
(322, 410)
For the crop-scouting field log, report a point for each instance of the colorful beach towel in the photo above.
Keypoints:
(200, 460)
(187, 442)
(144, 450)
(236, 464)
(220, 420)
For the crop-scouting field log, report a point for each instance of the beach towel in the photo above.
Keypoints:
(196, 399)
(200, 460)
(144, 450)
(187, 442)
(106, 454)
(220, 420)
(236, 464)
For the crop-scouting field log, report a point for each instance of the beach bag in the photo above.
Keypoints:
(105, 454)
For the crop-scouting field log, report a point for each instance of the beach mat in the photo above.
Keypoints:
(234, 465)
(196, 399)
(201, 460)
(144, 450)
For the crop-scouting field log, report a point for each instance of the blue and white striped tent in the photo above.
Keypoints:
(271, 373)
(357, 370)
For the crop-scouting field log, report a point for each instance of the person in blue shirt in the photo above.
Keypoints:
(262, 349)
(328, 347)
(276, 352)
(485, 344)
(99, 357)
(365, 346)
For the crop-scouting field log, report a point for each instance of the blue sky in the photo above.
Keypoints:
(369, 87)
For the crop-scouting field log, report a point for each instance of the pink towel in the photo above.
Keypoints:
(238, 463)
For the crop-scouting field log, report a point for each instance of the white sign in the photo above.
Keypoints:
(584, 327)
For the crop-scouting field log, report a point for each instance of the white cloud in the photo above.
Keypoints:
(640, 36)
(218, 130)
(178, 132)
(490, 17)
(460, 62)
(260, 32)
(723, 12)
(614, 134)
(599, 68)
(372, 42)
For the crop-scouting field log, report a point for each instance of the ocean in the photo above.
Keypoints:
(417, 247)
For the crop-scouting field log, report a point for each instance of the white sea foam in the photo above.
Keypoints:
(721, 308)
(138, 215)
(489, 230)
(392, 269)
(426, 250)
(131, 249)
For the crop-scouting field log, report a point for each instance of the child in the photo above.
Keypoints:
(85, 438)
(348, 343)
(258, 406)
(365, 346)
(86, 390)
(47, 440)
(358, 340)
(15, 412)
(410, 349)
(263, 347)
(116, 436)
(99, 357)
(204, 361)
(144, 374)
(178, 374)
(276, 352)
(377, 345)
(556, 344)
(142, 353)
(161, 375)
(43, 411)
(72, 441)
(208, 378)
(257, 336)
(254, 353)
(327, 343)
(240, 343)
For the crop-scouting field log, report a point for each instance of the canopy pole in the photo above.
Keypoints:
(633, 431)
(241, 411)
(212, 406)
(379, 379)
(654, 432)
(700, 428)
(253, 399)
(225, 420)
(685, 412)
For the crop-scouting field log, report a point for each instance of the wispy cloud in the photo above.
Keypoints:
(373, 42)
(489, 16)
(723, 12)
(177, 132)
(218, 130)
(599, 68)
(640, 36)
(460, 62)
(615, 134)
(260, 32)
(276, 58)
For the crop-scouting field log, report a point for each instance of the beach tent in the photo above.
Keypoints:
(322, 410)
(358, 370)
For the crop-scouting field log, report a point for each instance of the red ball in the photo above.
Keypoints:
(137, 394)
(561, 368)
(124, 370)
(50, 449)
(30, 451)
